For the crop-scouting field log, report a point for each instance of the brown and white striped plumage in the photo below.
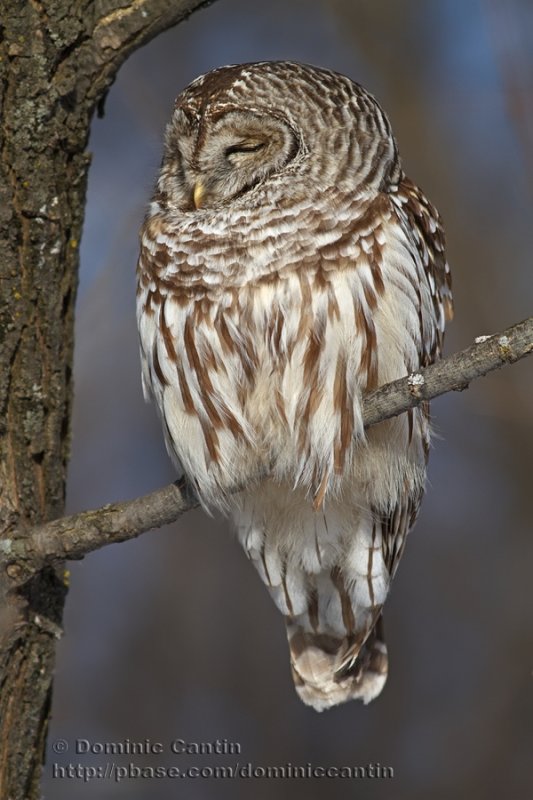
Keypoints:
(288, 266)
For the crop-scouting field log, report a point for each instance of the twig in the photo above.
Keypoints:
(74, 536)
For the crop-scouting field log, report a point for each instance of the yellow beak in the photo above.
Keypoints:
(198, 194)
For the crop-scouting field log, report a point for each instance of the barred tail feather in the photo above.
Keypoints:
(329, 573)
(328, 670)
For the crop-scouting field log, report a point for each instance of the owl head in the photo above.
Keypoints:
(242, 131)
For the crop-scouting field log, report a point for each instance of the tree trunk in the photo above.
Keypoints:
(57, 59)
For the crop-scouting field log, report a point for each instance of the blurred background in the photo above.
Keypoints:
(173, 635)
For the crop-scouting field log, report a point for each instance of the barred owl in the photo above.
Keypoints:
(287, 267)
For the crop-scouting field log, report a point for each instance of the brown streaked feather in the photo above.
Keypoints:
(346, 606)
(157, 366)
(188, 403)
(344, 410)
(166, 334)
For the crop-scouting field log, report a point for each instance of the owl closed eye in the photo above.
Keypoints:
(225, 155)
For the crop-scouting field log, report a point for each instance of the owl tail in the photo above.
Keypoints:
(328, 573)
(328, 670)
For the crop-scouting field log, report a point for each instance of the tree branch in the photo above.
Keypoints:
(104, 42)
(74, 536)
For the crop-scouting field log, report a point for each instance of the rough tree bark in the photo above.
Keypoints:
(57, 60)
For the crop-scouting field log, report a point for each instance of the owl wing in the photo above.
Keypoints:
(422, 225)
(361, 666)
